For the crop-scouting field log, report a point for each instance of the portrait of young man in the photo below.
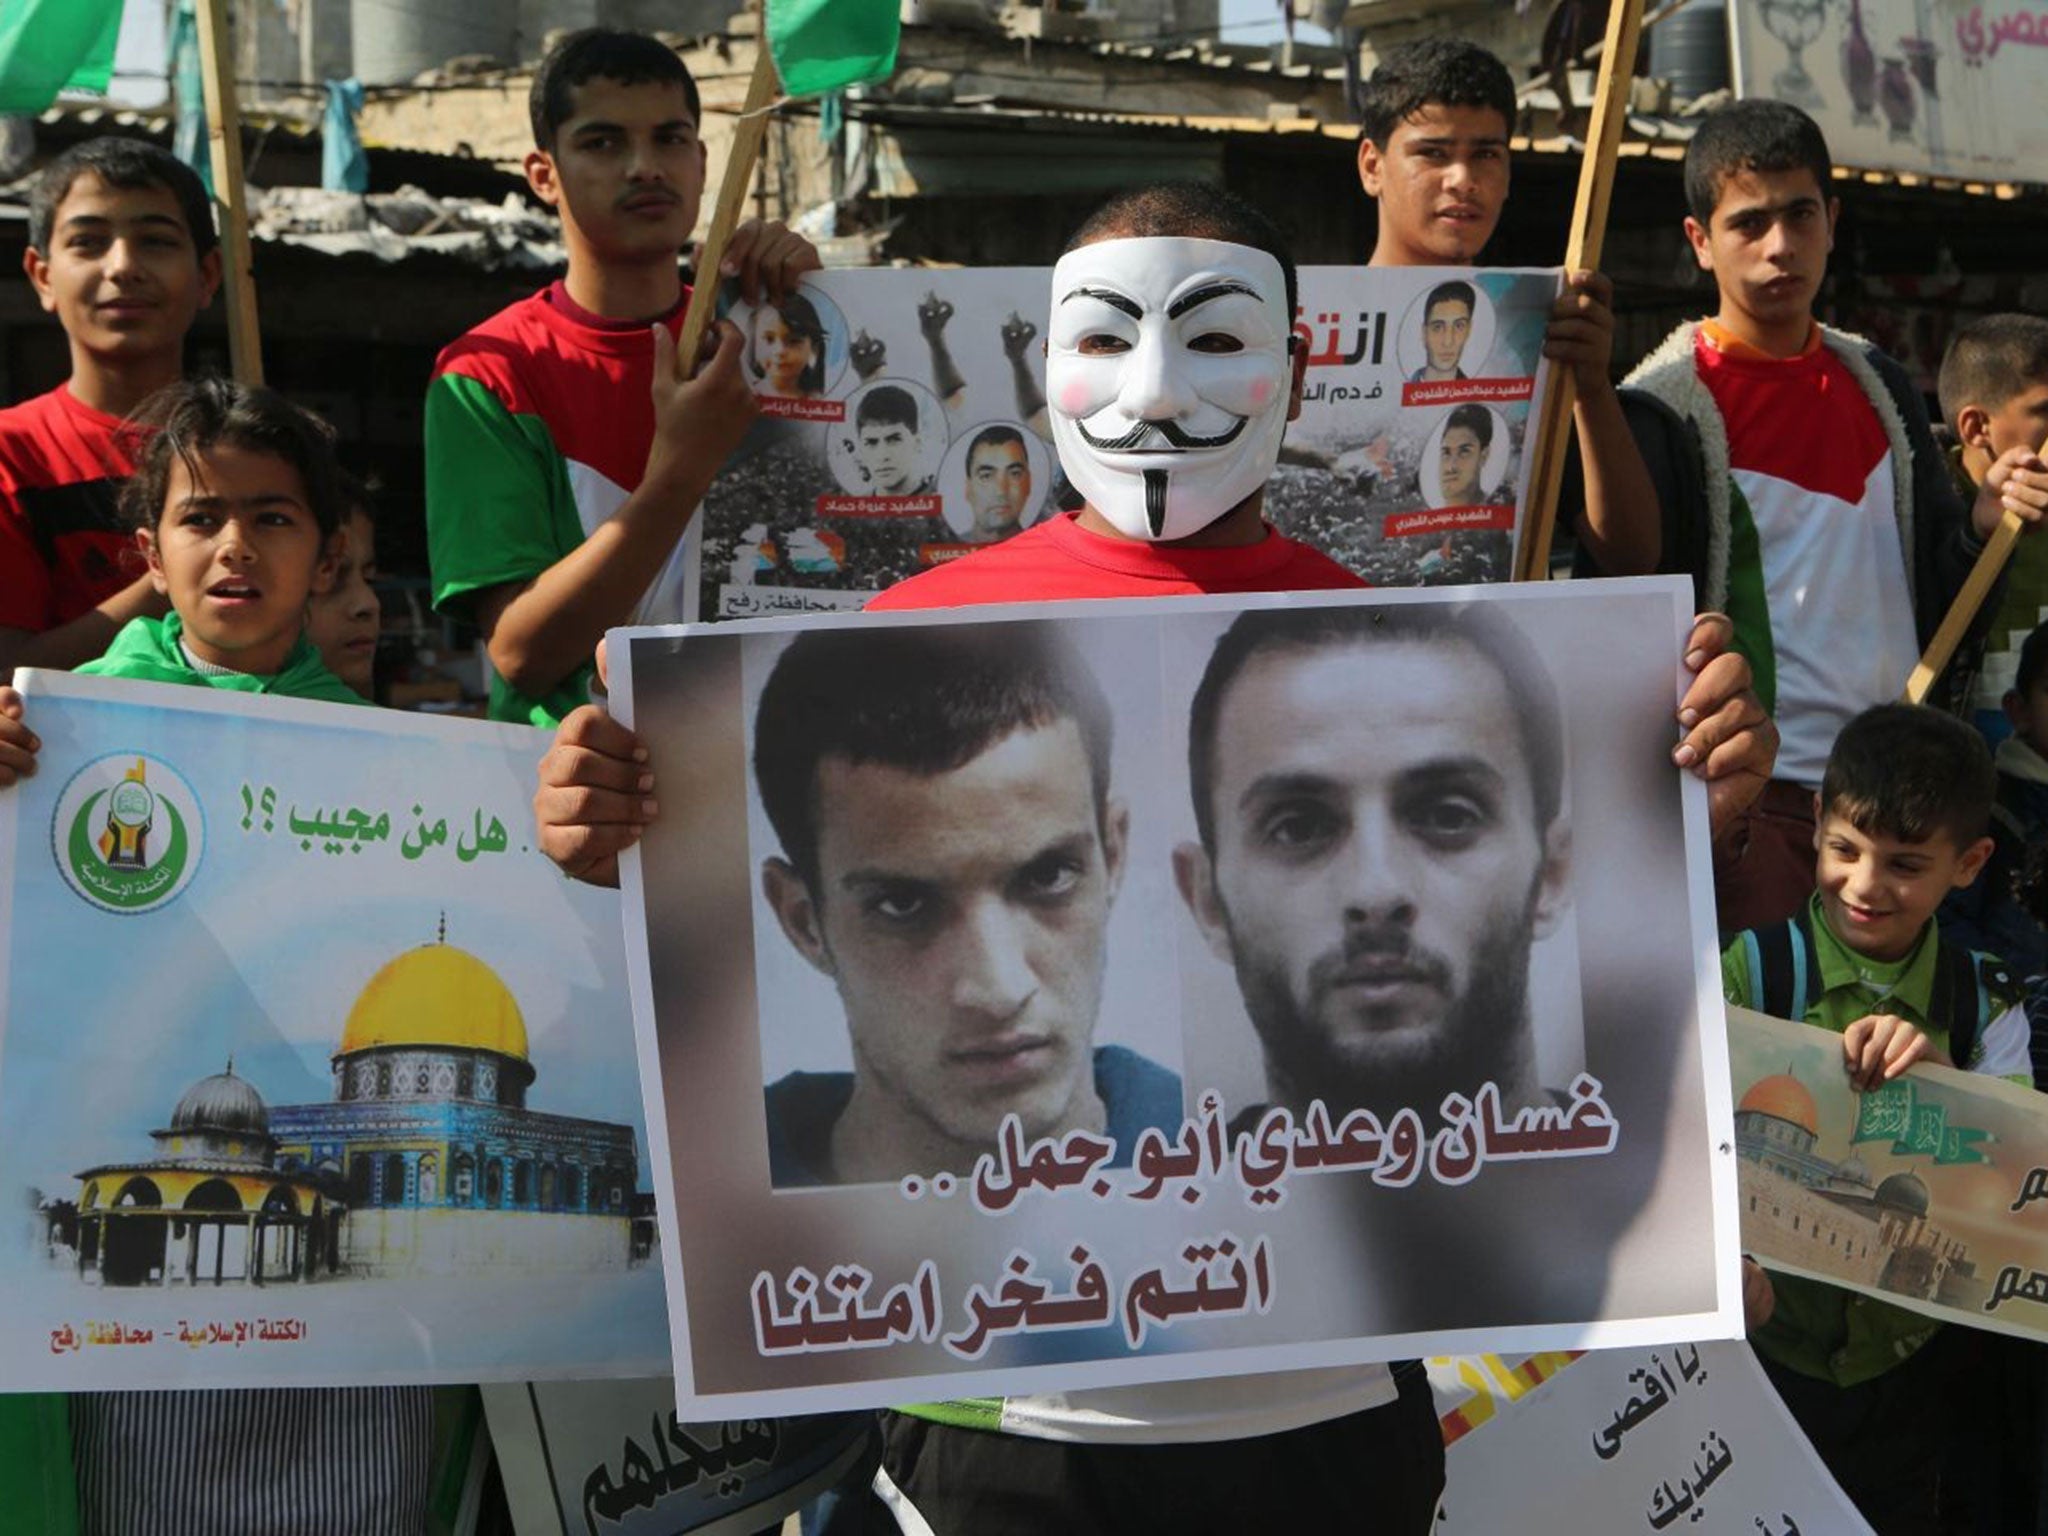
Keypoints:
(949, 851)
(1463, 446)
(886, 444)
(1378, 795)
(1446, 328)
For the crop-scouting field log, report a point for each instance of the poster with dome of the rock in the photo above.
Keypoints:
(1929, 1193)
(313, 1070)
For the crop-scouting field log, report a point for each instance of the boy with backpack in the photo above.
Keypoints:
(1901, 816)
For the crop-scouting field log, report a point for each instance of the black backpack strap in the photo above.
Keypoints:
(1957, 1003)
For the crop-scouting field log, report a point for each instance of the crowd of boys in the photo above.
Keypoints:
(203, 534)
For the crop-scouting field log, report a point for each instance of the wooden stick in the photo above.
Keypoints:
(1962, 613)
(1581, 252)
(732, 192)
(230, 191)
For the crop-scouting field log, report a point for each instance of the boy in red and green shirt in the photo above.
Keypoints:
(564, 456)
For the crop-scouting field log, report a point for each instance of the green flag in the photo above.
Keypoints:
(1923, 1137)
(47, 46)
(827, 45)
(1884, 1114)
(1959, 1145)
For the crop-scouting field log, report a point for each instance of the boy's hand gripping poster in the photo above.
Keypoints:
(904, 425)
(312, 1070)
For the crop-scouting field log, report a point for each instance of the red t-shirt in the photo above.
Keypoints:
(1060, 559)
(63, 549)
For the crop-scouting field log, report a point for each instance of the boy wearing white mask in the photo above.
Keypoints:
(1171, 372)
(1170, 379)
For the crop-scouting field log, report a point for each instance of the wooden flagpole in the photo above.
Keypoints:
(230, 191)
(1962, 613)
(762, 87)
(1581, 252)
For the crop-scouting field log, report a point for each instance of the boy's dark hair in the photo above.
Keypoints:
(1456, 291)
(1990, 360)
(1908, 771)
(993, 437)
(922, 699)
(2033, 661)
(1755, 135)
(1189, 210)
(1531, 690)
(189, 417)
(1474, 418)
(630, 58)
(1433, 72)
(126, 164)
(359, 494)
(886, 405)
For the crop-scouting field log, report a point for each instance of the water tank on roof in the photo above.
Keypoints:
(1690, 49)
(397, 39)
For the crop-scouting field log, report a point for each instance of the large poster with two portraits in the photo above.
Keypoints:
(1072, 995)
(904, 424)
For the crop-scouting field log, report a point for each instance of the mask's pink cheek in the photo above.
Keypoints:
(1262, 392)
(1074, 397)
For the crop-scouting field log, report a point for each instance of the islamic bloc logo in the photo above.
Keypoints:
(128, 833)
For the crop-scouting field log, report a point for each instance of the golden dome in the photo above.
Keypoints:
(1785, 1097)
(436, 995)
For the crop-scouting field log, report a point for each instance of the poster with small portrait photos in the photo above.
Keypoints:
(903, 425)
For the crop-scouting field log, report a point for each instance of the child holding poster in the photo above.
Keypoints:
(239, 508)
(1355, 1447)
(564, 457)
(1433, 155)
(240, 504)
(1902, 814)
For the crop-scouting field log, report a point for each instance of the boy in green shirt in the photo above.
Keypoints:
(1901, 819)
(238, 504)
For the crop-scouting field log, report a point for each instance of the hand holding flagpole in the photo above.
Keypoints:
(1962, 613)
(725, 215)
(1582, 252)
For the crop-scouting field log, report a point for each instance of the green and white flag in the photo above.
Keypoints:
(47, 46)
(827, 45)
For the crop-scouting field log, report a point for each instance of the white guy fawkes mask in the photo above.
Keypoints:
(1168, 378)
